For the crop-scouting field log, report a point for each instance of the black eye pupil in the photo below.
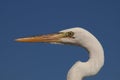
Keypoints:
(70, 34)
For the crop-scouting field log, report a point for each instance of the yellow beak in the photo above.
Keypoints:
(43, 38)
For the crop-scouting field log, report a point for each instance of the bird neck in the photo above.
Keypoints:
(95, 62)
(96, 58)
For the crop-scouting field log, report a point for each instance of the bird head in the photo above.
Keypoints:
(68, 36)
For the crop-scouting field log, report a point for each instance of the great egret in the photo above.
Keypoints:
(80, 37)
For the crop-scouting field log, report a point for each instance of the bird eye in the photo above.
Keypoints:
(69, 34)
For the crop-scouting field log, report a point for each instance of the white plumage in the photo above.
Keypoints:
(86, 40)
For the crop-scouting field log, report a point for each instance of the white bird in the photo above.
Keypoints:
(80, 37)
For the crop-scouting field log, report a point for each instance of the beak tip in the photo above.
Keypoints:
(28, 39)
(17, 40)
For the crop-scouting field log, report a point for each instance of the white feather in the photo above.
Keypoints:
(96, 54)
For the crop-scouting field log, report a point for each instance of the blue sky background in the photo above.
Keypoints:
(42, 61)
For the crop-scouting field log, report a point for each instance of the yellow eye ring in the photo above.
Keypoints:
(69, 34)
